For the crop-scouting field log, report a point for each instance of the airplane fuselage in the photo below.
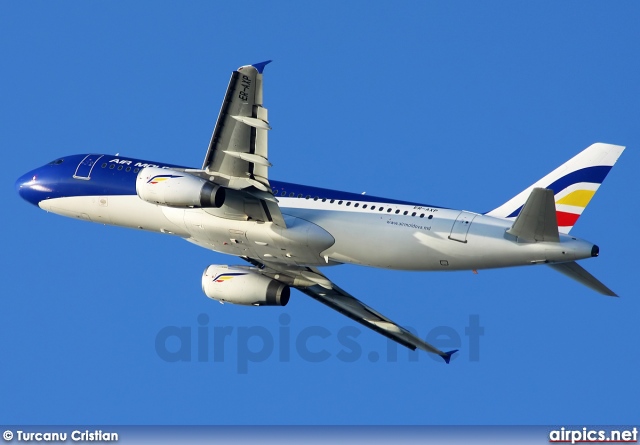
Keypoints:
(324, 227)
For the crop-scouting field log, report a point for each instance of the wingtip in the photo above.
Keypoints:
(260, 66)
(446, 356)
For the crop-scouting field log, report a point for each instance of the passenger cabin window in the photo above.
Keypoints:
(104, 165)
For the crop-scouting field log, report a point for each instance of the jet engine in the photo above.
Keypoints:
(243, 285)
(172, 188)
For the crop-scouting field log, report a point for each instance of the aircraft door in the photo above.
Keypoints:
(461, 226)
(85, 167)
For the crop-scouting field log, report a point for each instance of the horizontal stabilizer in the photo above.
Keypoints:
(537, 221)
(575, 271)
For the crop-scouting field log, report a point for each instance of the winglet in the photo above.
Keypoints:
(446, 356)
(260, 66)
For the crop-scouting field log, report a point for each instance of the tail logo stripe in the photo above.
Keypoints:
(566, 219)
(590, 174)
(578, 198)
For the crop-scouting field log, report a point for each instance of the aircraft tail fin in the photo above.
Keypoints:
(576, 272)
(573, 183)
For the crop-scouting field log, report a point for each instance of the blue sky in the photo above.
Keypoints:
(455, 104)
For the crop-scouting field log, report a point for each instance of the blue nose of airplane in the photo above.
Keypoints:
(30, 189)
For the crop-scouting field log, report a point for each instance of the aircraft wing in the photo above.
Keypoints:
(313, 283)
(237, 157)
(238, 147)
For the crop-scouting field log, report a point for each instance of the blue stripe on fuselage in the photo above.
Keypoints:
(110, 177)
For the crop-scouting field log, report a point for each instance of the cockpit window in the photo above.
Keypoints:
(56, 162)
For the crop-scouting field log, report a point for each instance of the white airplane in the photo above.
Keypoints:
(288, 231)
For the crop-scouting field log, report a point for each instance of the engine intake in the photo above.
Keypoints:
(172, 188)
(243, 285)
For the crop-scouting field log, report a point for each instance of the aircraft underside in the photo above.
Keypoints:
(325, 237)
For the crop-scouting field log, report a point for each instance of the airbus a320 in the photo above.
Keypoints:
(287, 232)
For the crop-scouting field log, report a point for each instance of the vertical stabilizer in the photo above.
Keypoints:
(573, 183)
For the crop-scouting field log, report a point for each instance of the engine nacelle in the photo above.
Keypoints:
(177, 189)
(242, 285)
